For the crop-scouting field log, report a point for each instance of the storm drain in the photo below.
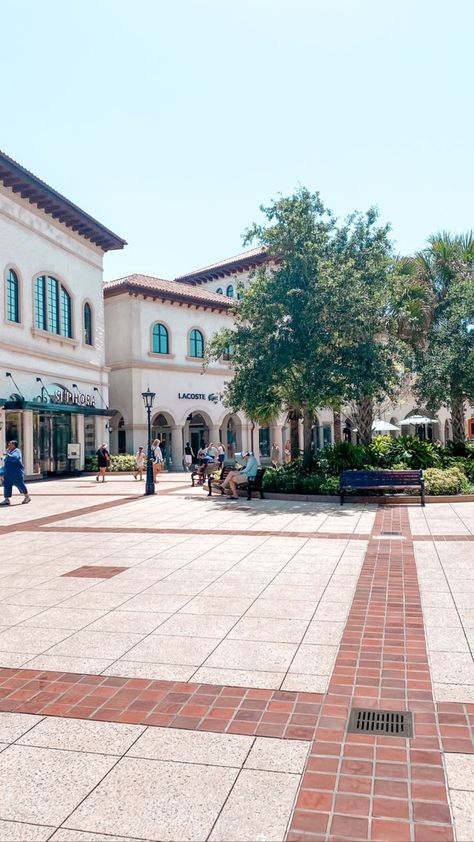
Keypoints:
(395, 723)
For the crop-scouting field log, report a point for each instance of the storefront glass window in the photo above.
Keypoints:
(52, 432)
(264, 441)
(14, 427)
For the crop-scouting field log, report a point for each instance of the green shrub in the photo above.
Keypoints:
(286, 481)
(341, 456)
(450, 481)
(118, 462)
(330, 485)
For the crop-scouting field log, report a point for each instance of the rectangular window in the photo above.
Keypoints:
(65, 313)
(40, 303)
(53, 306)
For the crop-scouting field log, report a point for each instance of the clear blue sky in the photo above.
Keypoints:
(171, 122)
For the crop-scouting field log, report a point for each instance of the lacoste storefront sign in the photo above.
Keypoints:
(195, 396)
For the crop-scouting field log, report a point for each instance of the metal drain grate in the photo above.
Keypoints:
(397, 723)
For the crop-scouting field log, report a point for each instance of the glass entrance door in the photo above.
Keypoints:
(52, 432)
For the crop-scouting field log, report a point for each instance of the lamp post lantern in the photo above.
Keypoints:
(148, 399)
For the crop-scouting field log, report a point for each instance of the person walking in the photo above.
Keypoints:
(188, 457)
(212, 450)
(103, 460)
(287, 452)
(140, 459)
(220, 453)
(13, 474)
(157, 458)
(276, 459)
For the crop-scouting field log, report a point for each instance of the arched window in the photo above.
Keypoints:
(230, 291)
(227, 353)
(13, 298)
(220, 291)
(53, 307)
(160, 339)
(87, 326)
(196, 344)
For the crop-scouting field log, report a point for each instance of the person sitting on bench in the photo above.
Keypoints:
(209, 465)
(236, 478)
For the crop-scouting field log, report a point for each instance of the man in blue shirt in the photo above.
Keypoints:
(13, 474)
(235, 478)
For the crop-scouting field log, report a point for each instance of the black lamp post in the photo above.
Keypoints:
(148, 398)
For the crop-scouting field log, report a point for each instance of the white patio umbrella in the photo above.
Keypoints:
(417, 419)
(383, 427)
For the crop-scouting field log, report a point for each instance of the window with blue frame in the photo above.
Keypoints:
(220, 291)
(87, 326)
(230, 291)
(196, 343)
(53, 306)
(160, 339)
(13, 297)
(227, 353)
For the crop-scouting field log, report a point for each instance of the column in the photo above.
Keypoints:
(2, 433)
(177, 447)
(214, 435)
(28, 441)
(276, 432)
(78, 464)
(300, 433)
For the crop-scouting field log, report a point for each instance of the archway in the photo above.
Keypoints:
(197, 431)
(161, 429)
(231, 434)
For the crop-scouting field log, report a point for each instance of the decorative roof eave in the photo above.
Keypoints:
(240, 263)
(163, 295)
(37, 192)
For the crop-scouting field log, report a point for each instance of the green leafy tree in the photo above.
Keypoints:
(445, 350)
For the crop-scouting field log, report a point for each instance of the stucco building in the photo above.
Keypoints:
(53, 375)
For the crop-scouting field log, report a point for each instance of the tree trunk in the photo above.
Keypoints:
(337, 426)
(457, 418)
(307, 436)
(294, 417)
(364, 419)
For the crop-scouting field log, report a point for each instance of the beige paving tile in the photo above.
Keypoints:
(43, 785)
(21, 832)
(158, 800)
(12, 614)
(14, 725)
(161, 603)
(14, 659)
(314, 659)
(63, 835)
(173, 649)
(82, 735)
(239, 678)
(149, 669)
(452, 667)
(20, 639)
(447, 640)
(269, 629)
(63, 618)
(321, 632)
(38, 597)
(197, 625)
(139, 622)
(219, 605)
(281, 608)
(278, 755)
(66, 663)
(258, 807)
(306, 682)
(460, 771)
(192, 747)
(453, 692)
(252, 655)
(334, 611)
(462, 807)
(90, 600)
(96, 644)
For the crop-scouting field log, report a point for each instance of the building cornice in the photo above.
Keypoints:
(56, 358)
(158, 366)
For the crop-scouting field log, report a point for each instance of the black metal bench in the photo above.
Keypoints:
(251, 484)
(374, 480)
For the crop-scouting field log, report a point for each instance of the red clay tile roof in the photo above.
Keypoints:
(38, 193)
(247, 259)
(171, 290)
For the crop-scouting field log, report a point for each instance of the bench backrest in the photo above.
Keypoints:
(364, 479)
(257, 481)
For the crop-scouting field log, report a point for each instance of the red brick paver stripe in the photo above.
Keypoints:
(202, 707)
(94, 572)
(456, 726)
(381, 788)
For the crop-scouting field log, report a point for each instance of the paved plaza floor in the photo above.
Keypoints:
(183, 668)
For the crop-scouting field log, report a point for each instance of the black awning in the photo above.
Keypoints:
(46, 406)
